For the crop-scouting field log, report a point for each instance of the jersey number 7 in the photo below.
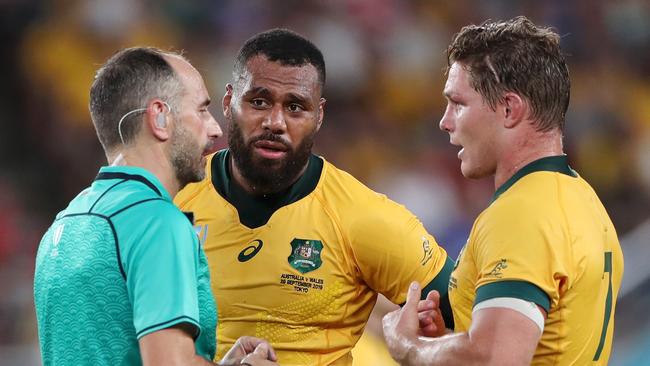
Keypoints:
(608, 305)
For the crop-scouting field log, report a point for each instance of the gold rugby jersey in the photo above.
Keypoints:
(303, 269)
(546, 238)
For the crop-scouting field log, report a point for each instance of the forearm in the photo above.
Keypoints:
(193, 360)
(451, 349)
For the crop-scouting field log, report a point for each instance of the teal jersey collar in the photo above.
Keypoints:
(134, 173)
(558, 164)
(255, 211)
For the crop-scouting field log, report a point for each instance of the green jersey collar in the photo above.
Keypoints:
(255, 211)
(134, 173)
(558, 164)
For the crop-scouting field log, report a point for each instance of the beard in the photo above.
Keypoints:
(267, 176)
(186, 157)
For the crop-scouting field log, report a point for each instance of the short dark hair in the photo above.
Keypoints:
(283, 46)
(516, 56)
(128, 81)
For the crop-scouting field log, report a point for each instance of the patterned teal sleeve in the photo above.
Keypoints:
(160, 259)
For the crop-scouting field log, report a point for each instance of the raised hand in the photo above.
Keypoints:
(401, 327)
(430, 318)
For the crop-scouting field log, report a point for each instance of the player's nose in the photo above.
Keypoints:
(446, 123)
(214, 129)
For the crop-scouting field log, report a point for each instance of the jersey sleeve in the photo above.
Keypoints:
(392, 248)
(516, 255)
(160, 259)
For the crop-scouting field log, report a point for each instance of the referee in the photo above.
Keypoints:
(120, 277)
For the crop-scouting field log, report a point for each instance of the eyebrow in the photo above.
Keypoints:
(299, 98)
(205, 103)
(260, 90)
(266, 93)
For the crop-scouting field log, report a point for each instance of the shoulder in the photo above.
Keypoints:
(358, 205)
(345, 188)
(160, 211)
(531, 211)
(155, 216)
(122, 196)
(535, 196)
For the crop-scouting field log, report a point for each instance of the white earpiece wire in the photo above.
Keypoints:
(119, 124)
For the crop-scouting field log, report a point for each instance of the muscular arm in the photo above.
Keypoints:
(170, 347)
(497, 336)
(174, 346)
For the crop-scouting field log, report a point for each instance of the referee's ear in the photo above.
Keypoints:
(226, 101)
(155, 115)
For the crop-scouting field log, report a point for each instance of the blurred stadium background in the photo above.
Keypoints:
(385, 61)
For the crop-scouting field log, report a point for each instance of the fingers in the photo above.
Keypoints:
(431, 323)
(434, 296)
(262, 354)
(426, 318)
(260, 347)
(425, 305)
(247, 345)
(431, 302)
(413, 297)
(261, 350)
(265, 350)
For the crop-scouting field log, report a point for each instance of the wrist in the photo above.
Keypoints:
(412, 352)
(404, 354)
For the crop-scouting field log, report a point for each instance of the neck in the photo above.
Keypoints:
(153, 158)
(531, 147)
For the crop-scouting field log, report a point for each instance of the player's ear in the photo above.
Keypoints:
(225, 102)
(514, 109)
(321, 113)
(157, 119)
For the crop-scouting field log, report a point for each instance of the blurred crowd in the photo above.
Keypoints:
(385, 73)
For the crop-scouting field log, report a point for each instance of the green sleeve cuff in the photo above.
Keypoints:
(440, 283)
(518, 289)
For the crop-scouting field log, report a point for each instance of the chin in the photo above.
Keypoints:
(472, 172)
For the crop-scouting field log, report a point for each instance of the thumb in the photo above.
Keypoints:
(413, 296)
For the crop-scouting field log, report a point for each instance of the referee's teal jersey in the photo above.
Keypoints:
(121, 261)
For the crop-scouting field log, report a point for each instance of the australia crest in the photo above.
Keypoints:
(305, 254)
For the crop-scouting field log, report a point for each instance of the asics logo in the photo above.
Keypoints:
(250, 251)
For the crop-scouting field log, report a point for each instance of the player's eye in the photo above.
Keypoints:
(259, 103)
(295, 107)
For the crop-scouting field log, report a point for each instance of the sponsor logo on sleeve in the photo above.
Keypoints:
(497, 271)
(427, 251)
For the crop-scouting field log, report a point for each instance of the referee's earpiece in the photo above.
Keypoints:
(161, 121)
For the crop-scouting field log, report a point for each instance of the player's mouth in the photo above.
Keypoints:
(455, 143)
(270, 149)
